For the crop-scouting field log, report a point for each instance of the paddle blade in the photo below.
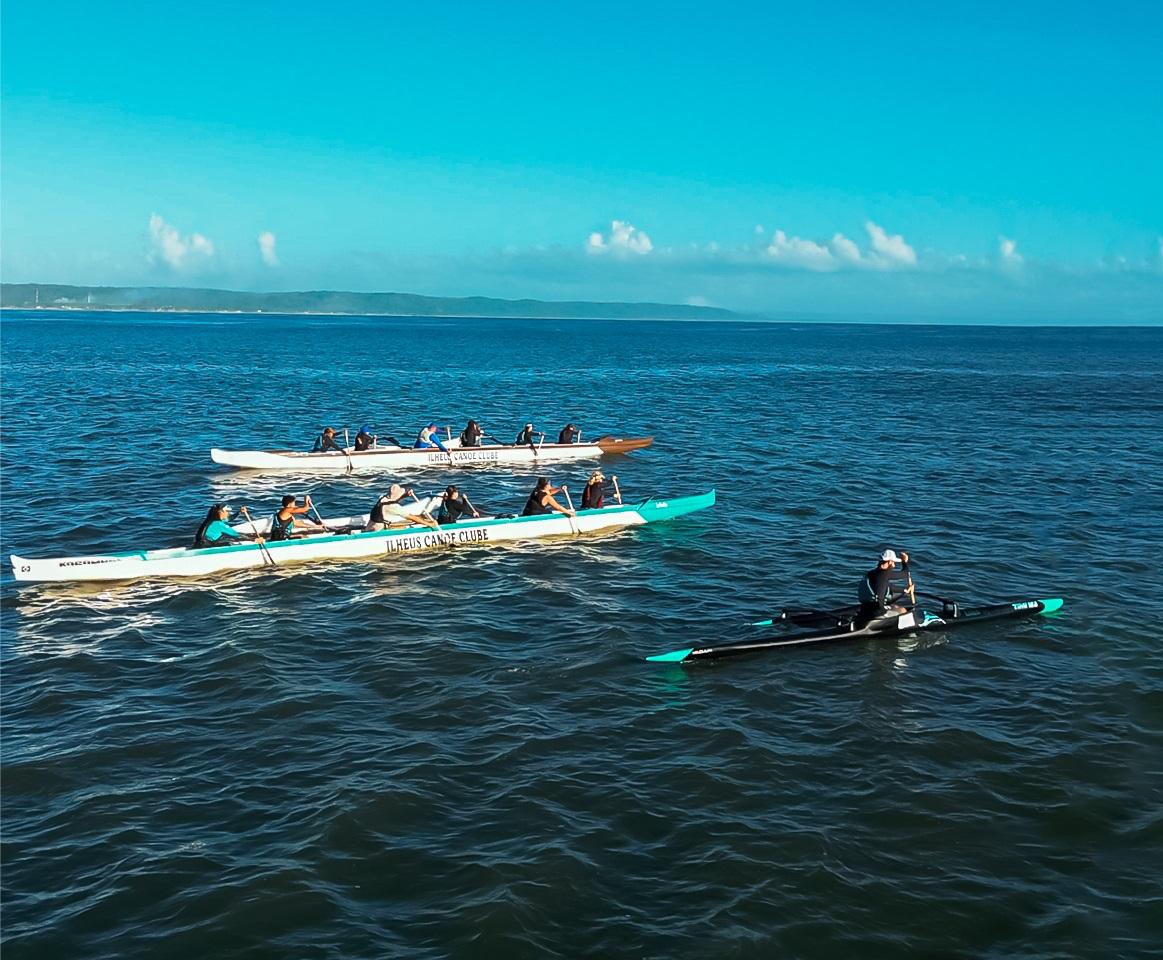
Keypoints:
(1050, 606)
(675, 656)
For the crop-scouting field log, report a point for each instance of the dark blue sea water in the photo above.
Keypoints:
(464, 754)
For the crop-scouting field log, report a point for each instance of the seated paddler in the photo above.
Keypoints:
(541, 500)
(875, 590)
(471, 435)
(286, 519)
(594, 494)
(365, 439)
(429, 437)
(326, 442)
(454, 505)
(215, 530)
(389, 510)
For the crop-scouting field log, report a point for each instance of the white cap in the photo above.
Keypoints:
(889, 555)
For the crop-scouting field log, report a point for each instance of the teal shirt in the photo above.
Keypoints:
(219, 529)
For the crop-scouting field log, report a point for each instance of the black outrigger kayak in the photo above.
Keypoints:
(841, 624)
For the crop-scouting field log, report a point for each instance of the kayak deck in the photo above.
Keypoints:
(845, 627)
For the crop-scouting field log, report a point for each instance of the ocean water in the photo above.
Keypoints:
(464, 754)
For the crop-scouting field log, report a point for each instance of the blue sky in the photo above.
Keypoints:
(842, 160)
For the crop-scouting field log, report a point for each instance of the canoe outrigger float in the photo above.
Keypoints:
(187, 562)
(393, 457)
(836, 625)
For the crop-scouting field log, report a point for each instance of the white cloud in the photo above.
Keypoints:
(797, 252)
(1007, 250)
(266, 248)
(624, 238)
(759, 231)
(886, 252)
(889, 250)
(172, 248)
(845, 249)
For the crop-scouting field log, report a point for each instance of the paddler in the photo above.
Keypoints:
(390, 506)
(216, 532)
(594, 494)
(541, 500)
(429, 437)
(365, 439)
(471, 435)
(525, 437)
(569, 434)
(454, 505)
(326, 442)
(286, 519)
(876, 587)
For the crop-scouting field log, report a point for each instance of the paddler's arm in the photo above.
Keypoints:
(558, 507)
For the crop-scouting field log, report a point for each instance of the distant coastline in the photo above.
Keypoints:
(64, 297)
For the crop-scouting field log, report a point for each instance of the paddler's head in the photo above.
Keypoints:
(395, 492)
(329, 431)
(889, 559)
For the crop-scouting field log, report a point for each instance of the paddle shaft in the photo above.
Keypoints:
(266, 554)
(572, 520)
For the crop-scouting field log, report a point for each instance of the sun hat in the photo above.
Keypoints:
(395, 492)
(889, 555)
(597, 475)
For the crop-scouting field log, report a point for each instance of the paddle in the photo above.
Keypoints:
(617, 492)
(572, 520)
(475, 511)
(322, 522)
(424, 512)
(266, 554)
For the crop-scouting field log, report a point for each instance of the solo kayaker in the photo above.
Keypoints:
(875, 588)
(216, 532)
(390, 507)
(471, 435)
(594, 494)
(365, 439)
(429, 437)
(454, 505)
(541, 500)
(326, 441)
(286, 519)
(569, 434)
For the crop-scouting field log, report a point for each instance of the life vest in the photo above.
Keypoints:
(534, 506)
(281, 529)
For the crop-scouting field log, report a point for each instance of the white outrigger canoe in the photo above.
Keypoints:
(187, 562)
(392, 457)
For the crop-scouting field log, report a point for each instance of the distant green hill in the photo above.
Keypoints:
(59, 296)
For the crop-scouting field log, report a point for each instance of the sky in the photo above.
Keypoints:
(987, 162)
